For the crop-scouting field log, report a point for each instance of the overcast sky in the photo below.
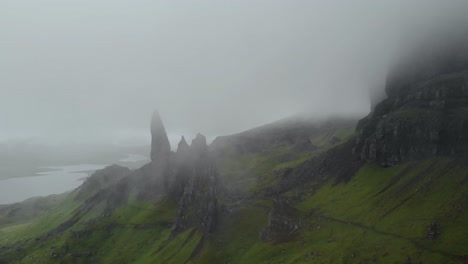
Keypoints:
(94, 70)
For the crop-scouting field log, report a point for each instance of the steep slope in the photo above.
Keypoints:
(158, 222)
(294, 212)
(426, 112)
(288, 192)
(303, 132)
(246, 160)
(29, 209)
(398, 215)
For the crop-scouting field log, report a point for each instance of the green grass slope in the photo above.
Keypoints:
(379, 216)
(31, 208)
(412, 213)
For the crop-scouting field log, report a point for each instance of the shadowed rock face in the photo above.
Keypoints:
(160, 147)
(182, 148)
(158, 179)
(183, 163)
(425, 114)
(189, 177)
(199, 144)
(436, 57)
(198, 205)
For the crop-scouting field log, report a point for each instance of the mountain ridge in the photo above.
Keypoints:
(278, 210)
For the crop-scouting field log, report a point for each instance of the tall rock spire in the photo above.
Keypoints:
(183, 146)
(183, 154)
(199, 144)
(160, 147)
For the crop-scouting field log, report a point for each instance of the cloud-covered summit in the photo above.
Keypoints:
(96, 70)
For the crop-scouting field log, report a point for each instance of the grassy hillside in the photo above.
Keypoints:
(379, 216)
(412, 213)
(26, 210)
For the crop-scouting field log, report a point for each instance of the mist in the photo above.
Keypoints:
(94, 71)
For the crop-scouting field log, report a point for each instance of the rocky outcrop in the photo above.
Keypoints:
(433, 57)
(318, 169)
(183, 150)
(433, 231)
(425, 114)
(160, 147)
(283, 222)
(158, 177)
(183, 163)
(199, 145)
(189, 177)
(198, 206)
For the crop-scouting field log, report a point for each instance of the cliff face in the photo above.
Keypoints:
(188, 176)
(198, 205)
(160, 147)
(425, 114)
(317, 207)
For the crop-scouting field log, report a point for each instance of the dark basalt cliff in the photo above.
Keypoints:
(188, 176)
(198, 204)
(160, 147)
(425, 113)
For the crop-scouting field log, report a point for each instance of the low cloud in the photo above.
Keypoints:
(95, 70)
